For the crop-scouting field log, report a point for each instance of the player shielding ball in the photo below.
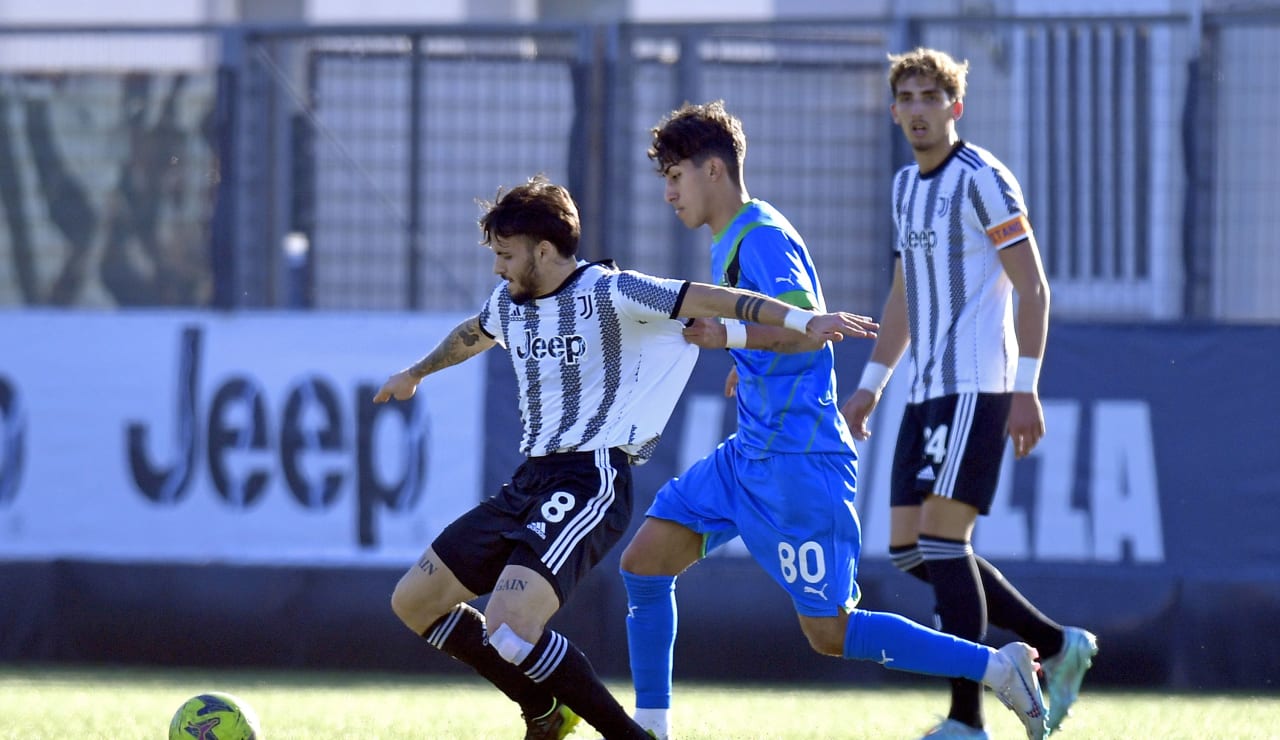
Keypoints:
(600, 360)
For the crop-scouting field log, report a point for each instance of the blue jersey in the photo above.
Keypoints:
(787, 403)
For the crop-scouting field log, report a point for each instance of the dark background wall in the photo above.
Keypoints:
(1192, 619)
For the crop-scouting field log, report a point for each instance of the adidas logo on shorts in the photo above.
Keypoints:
(538, 528)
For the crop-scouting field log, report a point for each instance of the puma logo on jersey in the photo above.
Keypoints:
(568, 348)
(821, 592)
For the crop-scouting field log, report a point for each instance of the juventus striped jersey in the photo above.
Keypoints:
(599, 363)
(951, 224)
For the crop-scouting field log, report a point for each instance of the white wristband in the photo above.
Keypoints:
(735, 334)
(1028, 376)
(798, 320)
(875, 377)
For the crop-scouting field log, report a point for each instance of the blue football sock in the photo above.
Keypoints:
(651, 636)
(898, 643)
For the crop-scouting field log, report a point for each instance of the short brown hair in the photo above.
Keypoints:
(921, 62)
(696, 132)
(538, 209)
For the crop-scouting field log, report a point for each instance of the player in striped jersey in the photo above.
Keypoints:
(964, 247)
(785, 482)
(601, 360)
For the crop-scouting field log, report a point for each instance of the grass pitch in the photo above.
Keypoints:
(124, 703)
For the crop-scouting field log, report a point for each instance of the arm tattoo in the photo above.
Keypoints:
(468, 335)
(748, 308)
(454, 348)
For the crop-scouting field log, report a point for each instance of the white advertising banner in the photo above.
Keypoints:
(238, 438)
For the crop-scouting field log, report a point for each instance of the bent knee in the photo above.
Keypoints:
(403, 606)
(636, 561)
(825, 645)
(661, 548)
(416, 608)
(825, 634)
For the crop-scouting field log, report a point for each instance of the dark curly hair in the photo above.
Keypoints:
(696, 132)
(538, 209)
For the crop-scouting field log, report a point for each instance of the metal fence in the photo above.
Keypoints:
(338, 168)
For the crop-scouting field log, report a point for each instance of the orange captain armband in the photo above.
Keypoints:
(1013, 230)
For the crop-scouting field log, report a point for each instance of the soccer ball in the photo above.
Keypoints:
(214, 716)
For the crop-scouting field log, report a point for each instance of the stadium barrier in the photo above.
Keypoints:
(237, 500)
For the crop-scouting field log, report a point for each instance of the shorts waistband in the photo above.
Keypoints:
(616, 456)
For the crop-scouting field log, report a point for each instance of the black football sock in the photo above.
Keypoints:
(556, 664)
(962, 611)
(460, 634)
(1007, 608)
(907, 558)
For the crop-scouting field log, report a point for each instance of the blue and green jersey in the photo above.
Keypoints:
(786, 402)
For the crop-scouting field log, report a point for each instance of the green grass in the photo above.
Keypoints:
(119, 704)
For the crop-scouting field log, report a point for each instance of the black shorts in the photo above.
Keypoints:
(952, 447)
(559, 515)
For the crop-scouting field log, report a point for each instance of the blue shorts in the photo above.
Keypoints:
(794, 512)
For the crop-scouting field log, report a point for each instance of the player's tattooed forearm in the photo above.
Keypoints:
(426, 565)
(425, 366)
(454, 348)
(511, 584)
(748, 308)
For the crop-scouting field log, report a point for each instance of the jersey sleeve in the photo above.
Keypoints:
(491, 314)
(643, 297)
(999, 207)
(772, 264)
(900, 181)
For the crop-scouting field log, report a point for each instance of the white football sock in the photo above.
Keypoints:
(653, 719)
(999, 670)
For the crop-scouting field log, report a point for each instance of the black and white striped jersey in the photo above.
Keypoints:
(950, 225)
(600, 362)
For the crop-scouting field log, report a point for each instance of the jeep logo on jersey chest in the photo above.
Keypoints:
(566, 347)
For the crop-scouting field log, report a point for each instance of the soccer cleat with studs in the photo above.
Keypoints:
(554, 725)
(1064, 672)
(1020, 690)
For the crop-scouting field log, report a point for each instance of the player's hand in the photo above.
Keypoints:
(705, 333)
(400, 386)
(834, 327)
(1026, 423)
(731, 383)
(857, 410)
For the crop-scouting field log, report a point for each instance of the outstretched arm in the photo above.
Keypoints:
(711, 334)
(465, 341)
(704, 301)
